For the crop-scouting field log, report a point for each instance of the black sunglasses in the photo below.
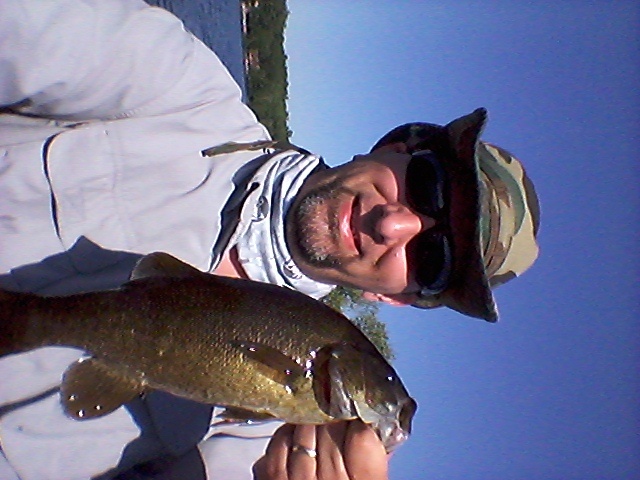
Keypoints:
(430, 253)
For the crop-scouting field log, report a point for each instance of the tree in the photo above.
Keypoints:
(363, 314)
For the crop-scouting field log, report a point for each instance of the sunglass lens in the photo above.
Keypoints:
(432, 258)
(425, 184)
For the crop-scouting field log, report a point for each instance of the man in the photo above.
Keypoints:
(123, 135)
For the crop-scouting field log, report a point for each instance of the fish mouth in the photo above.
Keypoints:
(395, 429)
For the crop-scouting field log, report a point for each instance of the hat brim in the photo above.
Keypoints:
(469, 291)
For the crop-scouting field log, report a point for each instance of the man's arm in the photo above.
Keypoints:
(94, 59)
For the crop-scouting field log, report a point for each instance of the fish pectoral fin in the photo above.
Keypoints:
(239, 414)
(160, 264)
(91, 389)
(272, 363)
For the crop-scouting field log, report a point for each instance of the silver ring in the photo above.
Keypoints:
(307, 451)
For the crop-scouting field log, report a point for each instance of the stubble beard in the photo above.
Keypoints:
(316, 226)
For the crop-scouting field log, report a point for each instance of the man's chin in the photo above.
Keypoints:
(323, 262)
(313, 232)
(310, 251)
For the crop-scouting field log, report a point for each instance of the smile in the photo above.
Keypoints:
(326, 226)
(347, 224)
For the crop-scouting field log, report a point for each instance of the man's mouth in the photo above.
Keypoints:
(347, 217)
(327, 226)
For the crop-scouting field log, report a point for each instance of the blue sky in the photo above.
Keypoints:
(553, 390)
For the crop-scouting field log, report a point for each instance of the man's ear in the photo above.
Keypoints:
(397, 299)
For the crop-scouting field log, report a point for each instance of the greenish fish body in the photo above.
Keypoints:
(265, 351)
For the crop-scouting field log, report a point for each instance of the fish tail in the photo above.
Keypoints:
(13, 322)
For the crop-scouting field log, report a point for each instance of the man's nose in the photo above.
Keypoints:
(399, 223)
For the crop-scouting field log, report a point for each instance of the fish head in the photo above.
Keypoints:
(351, 382)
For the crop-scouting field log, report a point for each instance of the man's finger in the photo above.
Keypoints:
(364, 454)
(273, 465)
(330, 450)
(302, 459)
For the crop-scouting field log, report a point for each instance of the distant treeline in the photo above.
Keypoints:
(266, 63)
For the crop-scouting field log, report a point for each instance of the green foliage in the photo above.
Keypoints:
(266, 64)
(363, 314)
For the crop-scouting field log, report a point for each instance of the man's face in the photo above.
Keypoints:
(351, 225)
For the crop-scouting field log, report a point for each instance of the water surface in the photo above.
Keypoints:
(218, 23)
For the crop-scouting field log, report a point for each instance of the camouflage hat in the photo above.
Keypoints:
(494, 211)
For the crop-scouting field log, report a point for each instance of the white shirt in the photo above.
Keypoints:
(102, 82)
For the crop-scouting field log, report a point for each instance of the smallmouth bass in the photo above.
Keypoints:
(265, 351)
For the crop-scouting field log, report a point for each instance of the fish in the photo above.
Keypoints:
(261, 350)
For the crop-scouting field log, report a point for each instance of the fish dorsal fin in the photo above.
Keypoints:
(160, 264)
(92, 389)
(272, 363)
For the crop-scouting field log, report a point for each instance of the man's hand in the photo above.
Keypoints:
(344, 451)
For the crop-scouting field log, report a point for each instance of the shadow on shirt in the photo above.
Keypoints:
(170, 426)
